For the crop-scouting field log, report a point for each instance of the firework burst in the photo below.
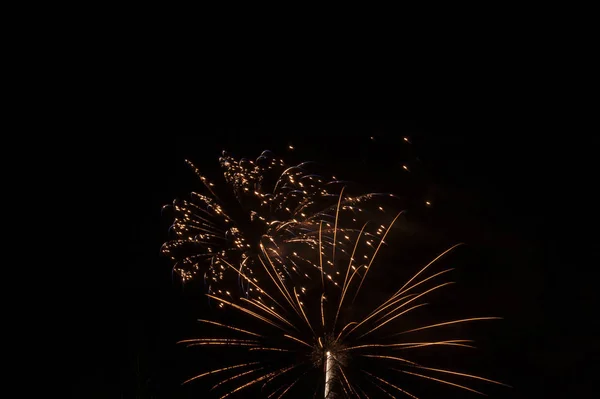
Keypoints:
(303, 273)
(264, 206)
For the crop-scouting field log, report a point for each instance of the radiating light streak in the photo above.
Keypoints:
(321, 256)
(337, 212)
(442, 381)
(246, 385)
(345, 379)
(429, 264)
(233, 340)
(275, 272)
(418, 296)
(390, 384)
(343, 329)
(381, 388)
(274, 281)
(389, 357)
(219, 344)
(446, 343)
(270, 311)
(281, 372)
(344, 286)
(376, 313)
(219, 370)
(235, 377)
(463, 375)
(448, 323)
(406, 303)
(251, 313)
(408, 289)
(392, 318)
(322, 311)
(375, 254)
(256, 286)
(270, 349)
(289, 387)
(407, 344)
(275, 391)
(363, 392)
(229, 327)
(303, 314)
(297, 340)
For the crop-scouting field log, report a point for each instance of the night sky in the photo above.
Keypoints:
(514, 196)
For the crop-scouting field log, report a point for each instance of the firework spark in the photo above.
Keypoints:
(302, 271)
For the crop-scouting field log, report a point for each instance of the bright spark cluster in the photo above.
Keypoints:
(280, 211)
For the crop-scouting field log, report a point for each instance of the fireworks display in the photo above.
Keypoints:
(291, 253)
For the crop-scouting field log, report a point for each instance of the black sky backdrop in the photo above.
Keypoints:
(509, 190)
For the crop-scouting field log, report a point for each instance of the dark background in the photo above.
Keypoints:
(512, 188)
